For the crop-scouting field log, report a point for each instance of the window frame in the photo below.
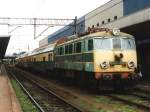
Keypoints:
(70, 49)
(66, 49)
(76, 47)
(90, 45)
(44, 59)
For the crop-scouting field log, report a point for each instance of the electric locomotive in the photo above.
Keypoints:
(102, 55)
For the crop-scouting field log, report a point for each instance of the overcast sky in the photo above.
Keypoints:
(22, 37)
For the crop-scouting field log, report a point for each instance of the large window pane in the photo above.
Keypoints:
(102, 43)
(114, 43)
(117, 43)
(128, 43)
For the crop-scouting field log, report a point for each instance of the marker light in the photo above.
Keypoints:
(131, 64)
(104, 65)
(116, 31)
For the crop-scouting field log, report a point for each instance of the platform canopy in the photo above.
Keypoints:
(3, 45)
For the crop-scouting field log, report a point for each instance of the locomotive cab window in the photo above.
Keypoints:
(78, 47)
(123, 43)
(114, 43)
(102, 43)
(90, 44)
(128, 43)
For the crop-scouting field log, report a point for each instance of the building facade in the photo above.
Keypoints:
(105, 14)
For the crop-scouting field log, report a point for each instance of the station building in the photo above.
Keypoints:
(131, 16)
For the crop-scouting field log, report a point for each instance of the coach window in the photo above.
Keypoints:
(34, 59)
(66, 49)
(90, 45)
(78, 47)
(61, 50)
(43, 59)
(74, 48)
(57, 51)
(49, 57)
(70, 48)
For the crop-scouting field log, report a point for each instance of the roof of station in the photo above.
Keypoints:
(3, 45)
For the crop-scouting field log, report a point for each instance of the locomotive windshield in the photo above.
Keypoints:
(128, 43)
(102, 43)
(114, 43)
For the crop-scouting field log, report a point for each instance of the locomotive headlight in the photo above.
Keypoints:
(131, 64)
(104, 65)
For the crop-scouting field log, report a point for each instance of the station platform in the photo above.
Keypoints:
(8, 100)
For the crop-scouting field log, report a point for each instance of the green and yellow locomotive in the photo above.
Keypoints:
(99, 55)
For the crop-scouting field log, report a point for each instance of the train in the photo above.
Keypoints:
(101, 57)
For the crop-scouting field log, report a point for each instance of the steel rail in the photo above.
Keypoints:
(142, 90)
(140, 96)
(27, 93)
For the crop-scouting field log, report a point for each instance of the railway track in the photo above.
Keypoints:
(44, 99)
(29, 95)
(141, 90)
(122, 98)
(140, 95)
(143, 104)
